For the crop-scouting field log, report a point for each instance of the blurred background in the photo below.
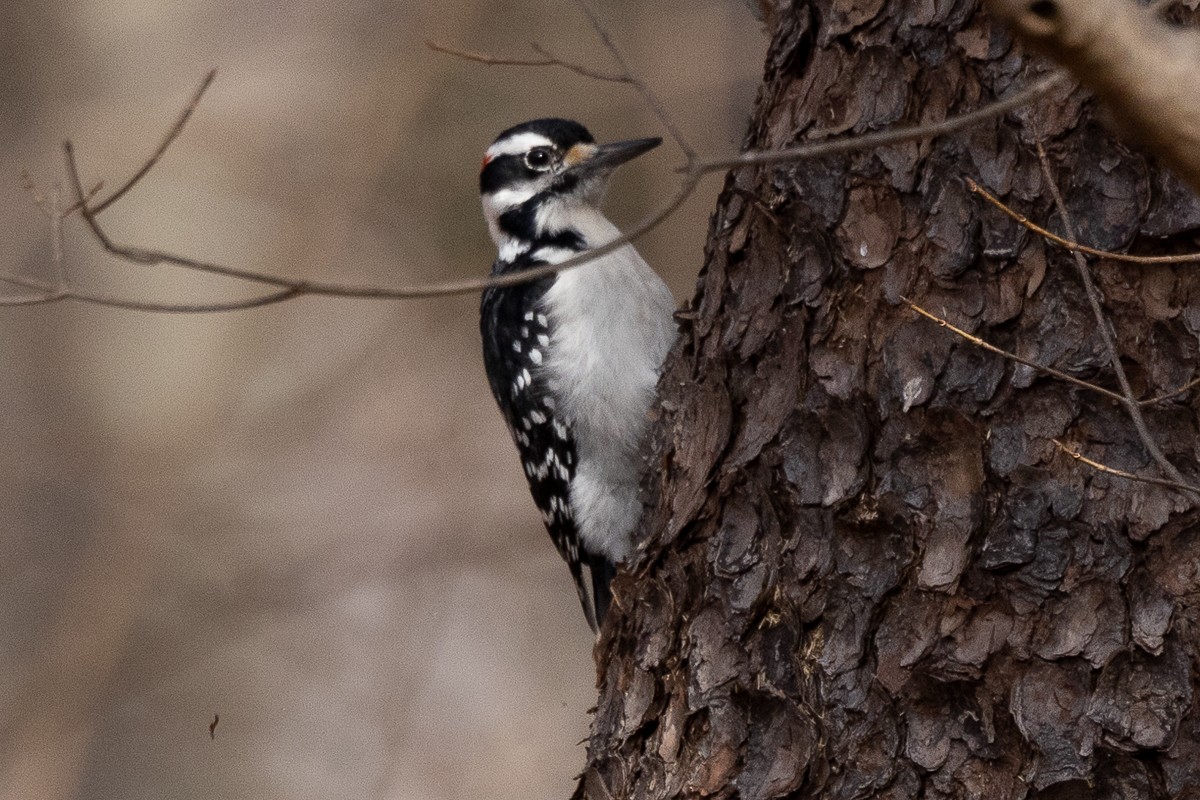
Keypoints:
(307, 518)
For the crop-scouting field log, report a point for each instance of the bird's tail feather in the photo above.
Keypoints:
(603, 571)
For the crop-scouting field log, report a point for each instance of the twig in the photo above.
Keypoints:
(1120, 473)
(991, 348)
(57, 251)
(894, 136)
(49, 294)
(1068, 244)
(149, 256)
(1168, 395)
(642, 87)
(30, 300)
(1106, 333)
(172, 134)
(63, 291)
(687, 186)
(547, 60)
(288, 288)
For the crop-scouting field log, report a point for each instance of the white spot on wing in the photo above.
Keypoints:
(553, 255)
(511, 249)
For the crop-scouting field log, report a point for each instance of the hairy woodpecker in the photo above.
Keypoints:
(572, 358)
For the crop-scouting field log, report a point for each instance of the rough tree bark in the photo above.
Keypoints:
(868, 569)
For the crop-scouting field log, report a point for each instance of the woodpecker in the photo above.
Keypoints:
(573, 358)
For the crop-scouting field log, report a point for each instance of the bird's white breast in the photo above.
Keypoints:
(611, 327)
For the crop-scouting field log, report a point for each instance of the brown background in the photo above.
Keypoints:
(307, 518)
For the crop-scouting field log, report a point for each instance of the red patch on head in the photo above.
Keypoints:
(486, 160)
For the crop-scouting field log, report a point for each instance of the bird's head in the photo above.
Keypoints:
(553, 162)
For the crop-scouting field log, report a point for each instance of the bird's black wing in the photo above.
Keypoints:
(515, 336)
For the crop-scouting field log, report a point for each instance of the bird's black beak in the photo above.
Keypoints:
(600, 158)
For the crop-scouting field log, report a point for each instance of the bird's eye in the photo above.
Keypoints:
(539, 158)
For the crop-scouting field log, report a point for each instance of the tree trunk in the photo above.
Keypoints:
(869, 571)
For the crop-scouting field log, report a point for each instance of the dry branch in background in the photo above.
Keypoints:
(693, 170)
(1062, 376)
(1107, 335)
(1067, 244)
(1143, 68)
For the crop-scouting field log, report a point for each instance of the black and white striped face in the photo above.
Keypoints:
(544, 161)
(529, 160)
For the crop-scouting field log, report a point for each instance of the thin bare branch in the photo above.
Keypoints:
(49, 294)
(29, 300)
(694, 171)
(149, 256)
(642, 87)
(1062, 376)
(1132, 407)
(1067, 244)
(1070, 245)
(1120, 473)
(869, 141)
(259, 301)
(57, 251)
(547, 60)
(171, 136)
(991, 348)
(1168, 395)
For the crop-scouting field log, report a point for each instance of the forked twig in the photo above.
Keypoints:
(328, 289)
(868, 141)
(48, 294)
(1062, 376)
(991, 348)
(547, 60)
(1120, 473)
(1068, 244)
(1168, 395)
(1131, 404)
(171, 136)
(642, 87)
(62, 290)
(40, 299)
(694, 170)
